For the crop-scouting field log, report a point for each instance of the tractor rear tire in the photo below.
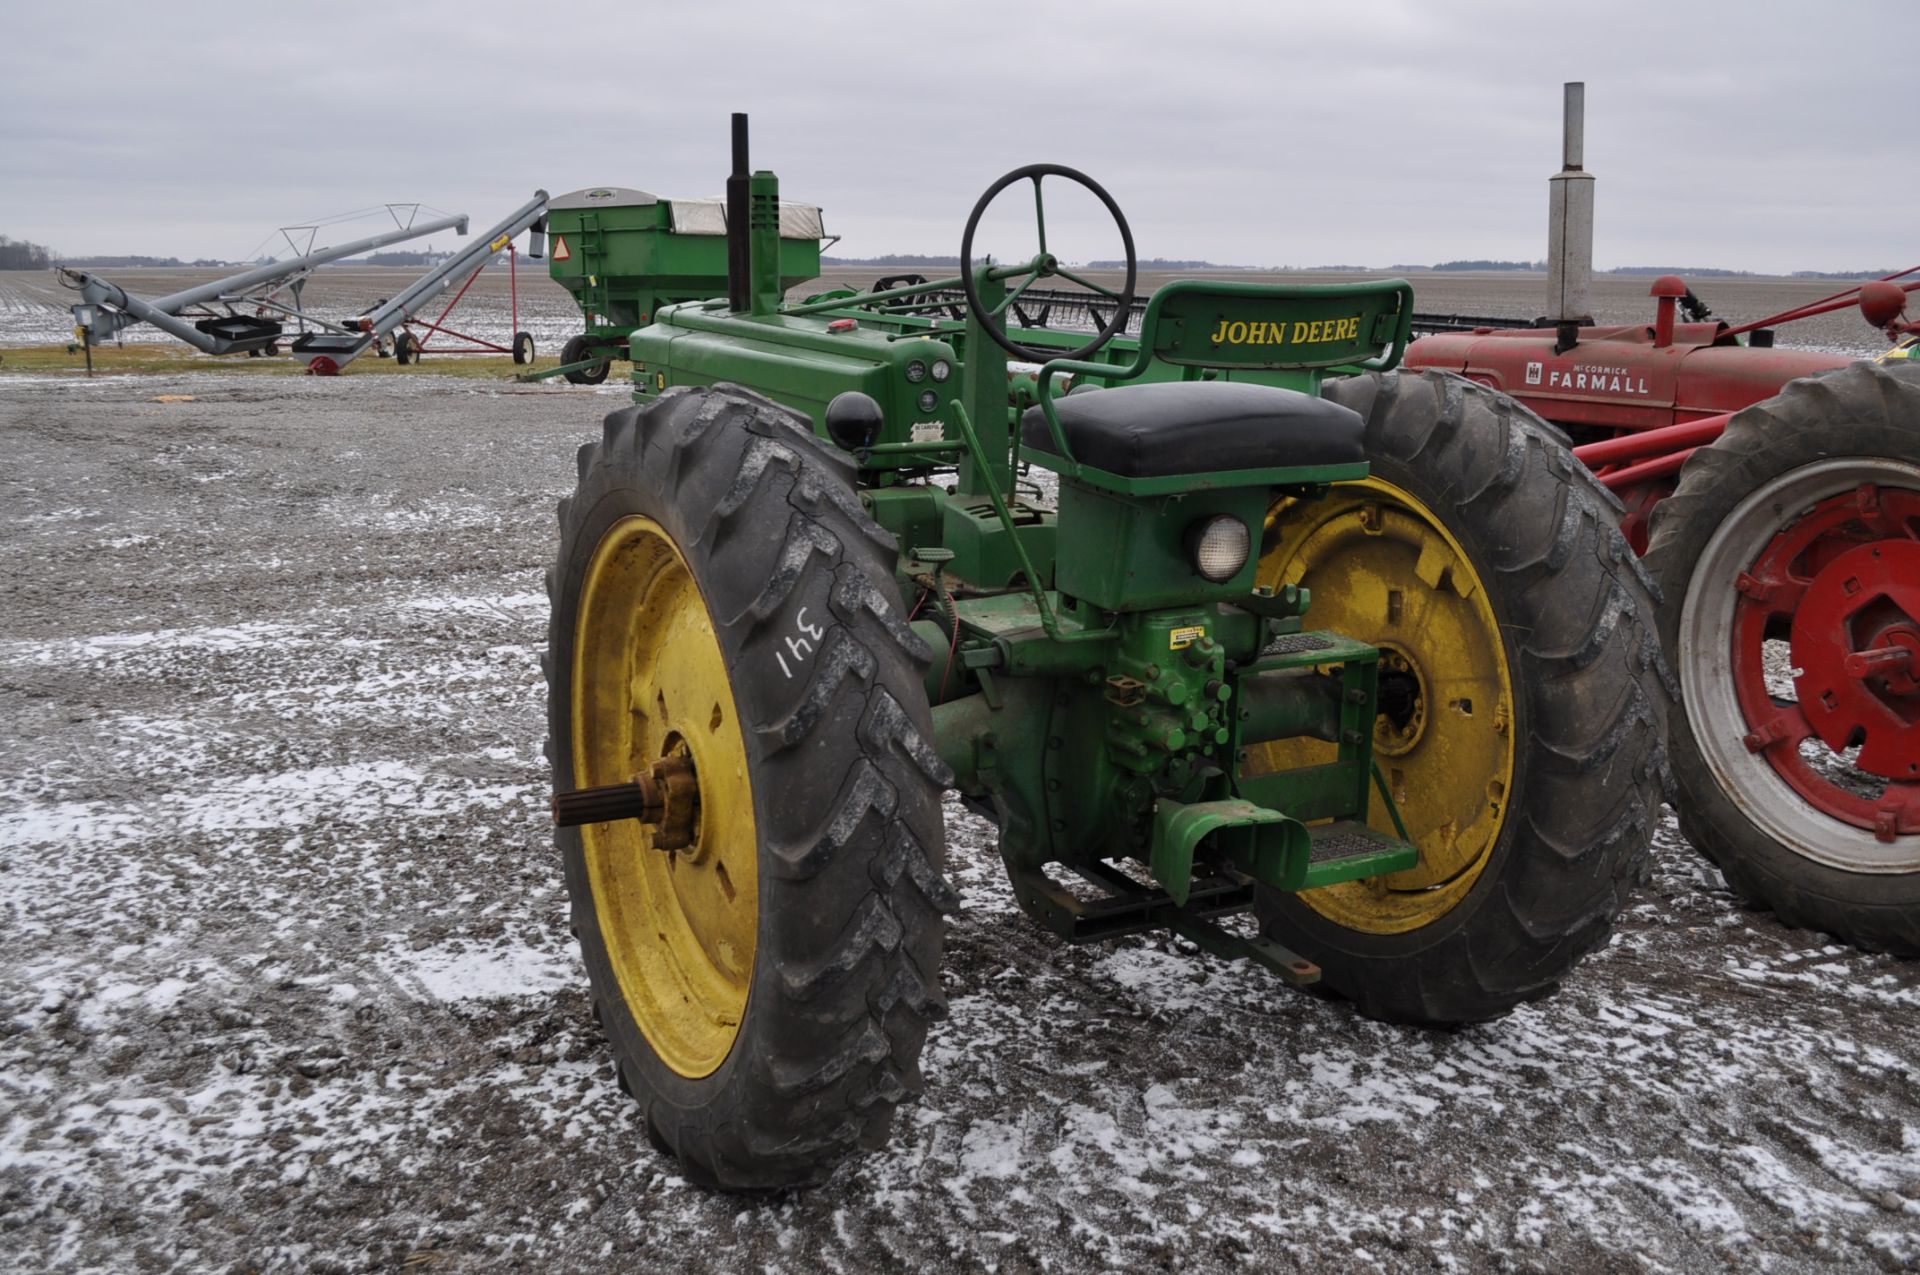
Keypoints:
(1793, 832)
(1537, 652)
(573, 351)
(719, 592)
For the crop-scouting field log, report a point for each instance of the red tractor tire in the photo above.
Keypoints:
(1789, 561)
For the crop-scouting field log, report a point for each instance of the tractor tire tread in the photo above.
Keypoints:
(1593, 687)
(852, 891)
(1877, 912)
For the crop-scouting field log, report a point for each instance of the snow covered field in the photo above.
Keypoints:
(285, 981)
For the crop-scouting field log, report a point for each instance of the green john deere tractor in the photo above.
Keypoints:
(804, 587)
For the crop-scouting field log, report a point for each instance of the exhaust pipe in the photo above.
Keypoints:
(1570, 225)
(739, 254)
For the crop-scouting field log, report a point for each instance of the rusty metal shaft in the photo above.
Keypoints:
(666, 797)
(637, 800)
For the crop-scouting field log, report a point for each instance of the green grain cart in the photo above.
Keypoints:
(804, 587)
(623, 254)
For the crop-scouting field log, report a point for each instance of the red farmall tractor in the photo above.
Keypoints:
(1775, 496)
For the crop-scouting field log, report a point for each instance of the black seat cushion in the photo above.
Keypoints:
(1193, 427)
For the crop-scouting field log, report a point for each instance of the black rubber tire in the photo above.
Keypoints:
(523, 348)
(846, 786)
(1868, 410)
(405, 350)
(1590, 698)
(573, 351)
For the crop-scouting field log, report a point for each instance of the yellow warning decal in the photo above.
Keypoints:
(500, 243)
(560, 250)
(1185, 637)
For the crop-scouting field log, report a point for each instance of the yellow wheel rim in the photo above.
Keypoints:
(1383, 570)
(649, 681)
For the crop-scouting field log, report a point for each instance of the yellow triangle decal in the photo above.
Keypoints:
(560, 250)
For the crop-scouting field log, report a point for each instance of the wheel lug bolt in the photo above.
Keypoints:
(1885, 659)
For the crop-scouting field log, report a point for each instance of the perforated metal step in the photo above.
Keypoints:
(1348, 851)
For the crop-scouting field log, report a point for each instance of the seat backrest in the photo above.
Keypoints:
(1278, 327)
(1260, 327)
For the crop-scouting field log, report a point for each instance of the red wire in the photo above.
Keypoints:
(952, 650)
(953, 647)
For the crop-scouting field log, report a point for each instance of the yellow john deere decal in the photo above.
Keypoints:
(1261, 332)
(1185, 637)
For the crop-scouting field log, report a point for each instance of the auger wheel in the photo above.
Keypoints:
(1522, 702)
(756, 878)
(1789, 556)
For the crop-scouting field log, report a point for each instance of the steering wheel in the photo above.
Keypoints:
(1043, 266)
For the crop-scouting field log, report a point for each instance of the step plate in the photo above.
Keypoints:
(1348, 851)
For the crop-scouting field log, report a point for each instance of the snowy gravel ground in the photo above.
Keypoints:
(285, 982)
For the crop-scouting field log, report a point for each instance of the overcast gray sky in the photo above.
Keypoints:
(1761, 136)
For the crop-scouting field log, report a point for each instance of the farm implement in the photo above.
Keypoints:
(624, 253)
(806, 583)
(248, 313)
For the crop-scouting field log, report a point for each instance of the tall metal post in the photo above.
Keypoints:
(1570, 221)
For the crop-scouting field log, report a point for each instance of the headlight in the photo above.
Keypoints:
(1218, 547)
(929, 401)
(916, 371)
(942, 369)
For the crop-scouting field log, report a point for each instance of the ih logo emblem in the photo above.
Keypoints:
(1534, 373)
(560, 250)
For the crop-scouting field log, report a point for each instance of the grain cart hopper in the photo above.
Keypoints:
(803, 587)
(1776, 494)
(624, 253)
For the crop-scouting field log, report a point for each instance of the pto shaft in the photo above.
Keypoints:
(665, 797)
(606, 804)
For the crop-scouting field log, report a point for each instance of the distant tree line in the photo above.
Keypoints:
(1699, 272)
(1489, 265)
(893, 259)
(1159, 263)
(110, 263)
(396, 259)
(18, 254)
(1842, 274)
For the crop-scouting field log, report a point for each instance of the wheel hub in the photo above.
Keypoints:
(1825, 566)
(1384, 570)
(675, 875)
(1402, 702)
(1856, 634)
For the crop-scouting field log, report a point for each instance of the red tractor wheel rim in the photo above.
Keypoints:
(1842, 582)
